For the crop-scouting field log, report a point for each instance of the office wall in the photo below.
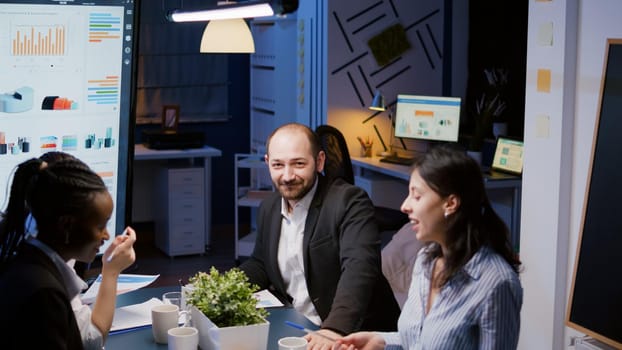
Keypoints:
(437, 34)
(559, 128)
(230, 137)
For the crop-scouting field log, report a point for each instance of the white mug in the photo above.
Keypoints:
(183, 338)
(163, 318)
(292, 343)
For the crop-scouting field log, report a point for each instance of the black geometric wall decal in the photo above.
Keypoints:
(343, 32)
(392, 77)
(422, 19)
(389, 44)
(431, 34)
(349, 63)
(371, 93)
(427, 54)
(394, 9)
(385, 66)
(371, 117)
(370, 23)
(364, 11)
(356, 90)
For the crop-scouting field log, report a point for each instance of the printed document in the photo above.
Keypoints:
(125, 283)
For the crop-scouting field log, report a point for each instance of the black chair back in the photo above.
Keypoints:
(339, 164)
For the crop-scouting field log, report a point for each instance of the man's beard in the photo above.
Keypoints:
(294, 190)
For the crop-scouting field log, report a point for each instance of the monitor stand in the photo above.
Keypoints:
(388, 153)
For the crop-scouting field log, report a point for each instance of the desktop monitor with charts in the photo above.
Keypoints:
(426, 118)
(507, 161)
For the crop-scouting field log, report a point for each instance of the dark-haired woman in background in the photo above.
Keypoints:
(465, 291)
(71, 206)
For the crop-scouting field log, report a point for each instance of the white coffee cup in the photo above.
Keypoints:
(163, 318)
(292, 343)
(183, 338)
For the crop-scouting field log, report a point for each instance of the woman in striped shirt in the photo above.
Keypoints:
(465, 291)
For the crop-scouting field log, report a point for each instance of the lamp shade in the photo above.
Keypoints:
(227, 36)
(377, 104)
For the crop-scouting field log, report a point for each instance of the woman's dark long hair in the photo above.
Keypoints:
(449, 170)
(63, 188)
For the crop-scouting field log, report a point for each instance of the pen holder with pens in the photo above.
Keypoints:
(366, 147)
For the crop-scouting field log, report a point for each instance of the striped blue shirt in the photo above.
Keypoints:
(478, 308)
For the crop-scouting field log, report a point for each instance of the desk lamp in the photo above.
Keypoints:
(378, 104)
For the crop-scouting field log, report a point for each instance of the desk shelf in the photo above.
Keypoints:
(250, 194)
(385, 182)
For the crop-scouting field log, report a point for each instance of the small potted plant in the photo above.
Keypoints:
(225, 312)
(489, 108)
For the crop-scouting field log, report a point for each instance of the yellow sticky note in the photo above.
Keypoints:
(544, 80)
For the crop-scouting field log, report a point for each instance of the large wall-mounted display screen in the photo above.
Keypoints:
(65, 85)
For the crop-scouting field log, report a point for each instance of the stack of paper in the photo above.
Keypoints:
(125, 283)
(267, 299)
(133, 316)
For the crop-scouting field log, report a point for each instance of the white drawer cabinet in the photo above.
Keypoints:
(180, 220)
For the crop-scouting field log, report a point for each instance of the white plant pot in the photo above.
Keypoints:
(212, 337)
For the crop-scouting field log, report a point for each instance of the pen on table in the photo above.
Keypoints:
(112, 254)
(307, 330)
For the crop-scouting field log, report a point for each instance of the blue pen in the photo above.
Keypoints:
(307, 330)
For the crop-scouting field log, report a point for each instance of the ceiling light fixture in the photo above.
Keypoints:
(230, 10)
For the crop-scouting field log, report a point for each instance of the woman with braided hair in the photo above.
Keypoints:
(71, 206)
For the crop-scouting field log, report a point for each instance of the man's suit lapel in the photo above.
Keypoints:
(311, 221)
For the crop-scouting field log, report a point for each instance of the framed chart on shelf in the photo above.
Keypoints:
(170, 117)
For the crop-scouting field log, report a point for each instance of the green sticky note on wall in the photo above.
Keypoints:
(389, 44)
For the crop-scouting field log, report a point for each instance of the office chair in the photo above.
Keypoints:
(339, 164)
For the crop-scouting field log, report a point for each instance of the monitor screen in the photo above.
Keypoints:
(508, 156)
(427, 117)
(66, 69)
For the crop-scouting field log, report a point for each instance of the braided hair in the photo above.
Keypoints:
(65, 187)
